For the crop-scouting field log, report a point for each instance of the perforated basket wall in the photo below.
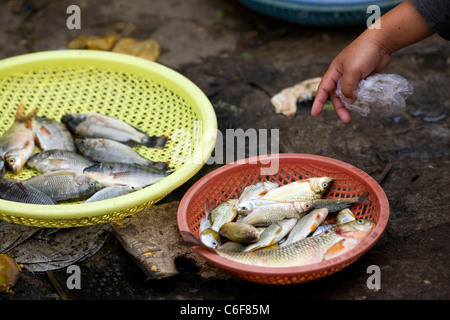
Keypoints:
(147, 95)
(228, 181)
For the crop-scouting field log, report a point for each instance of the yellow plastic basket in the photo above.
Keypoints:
(148, 95)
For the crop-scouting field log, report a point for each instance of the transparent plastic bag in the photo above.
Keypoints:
(385, 92)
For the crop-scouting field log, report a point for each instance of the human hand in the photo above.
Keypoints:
(357, 61)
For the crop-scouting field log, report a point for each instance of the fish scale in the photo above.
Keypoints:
(65, 185)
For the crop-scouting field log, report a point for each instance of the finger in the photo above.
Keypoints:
(326, 86)
(350, 80)
(341, 110)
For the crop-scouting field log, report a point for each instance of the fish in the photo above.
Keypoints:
(335, 205)
(17, 144)
(266, 215)
(302, 190)
(110, 192)
(323, 227)
(239, 232)
(303, 252)
(218, 216)
(245, 207)
(222, 214)
(120, 174)
(106, 150)
(207, 236)
(306, 225)
(273, 234)
(20, 191)
(257, 190)
(346, 244)
(95, 125)
(51, 134)
(65, 185)
(345, 215)
(54, 160)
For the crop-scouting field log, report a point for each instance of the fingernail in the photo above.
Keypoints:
(349, 100)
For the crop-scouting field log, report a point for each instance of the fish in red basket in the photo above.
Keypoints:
(270, 213)
(218, 216)
(326, 245)
(301, 190)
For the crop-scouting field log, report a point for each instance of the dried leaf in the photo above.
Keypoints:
(9, 273)
(148, 49)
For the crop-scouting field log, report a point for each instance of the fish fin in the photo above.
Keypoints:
(334, 250)
(263, 193)
(45, 131)
(160, 166)
(191, 241)
(20, 113)
(155, 142)
(21, 116)
(271, 247)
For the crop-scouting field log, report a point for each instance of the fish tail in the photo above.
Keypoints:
(155, 142)
(191, 241)
(363, 198)
(160, 166)
(21, 114)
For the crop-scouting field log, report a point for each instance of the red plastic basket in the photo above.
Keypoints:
(228, 181)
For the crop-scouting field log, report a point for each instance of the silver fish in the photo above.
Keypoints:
(273, 234)
(111, 192)
(54, 160)
(65, 185)
(335, 205)
(306, 225)
(345, 215)
(20, 191)
(106, 150)
(51, 134)
(207, 236)
(95, 125)
(302, 190)
(257, 190)
(17, 144)
(119, 174)
(245, 207)
(218, 216)
(266, 215)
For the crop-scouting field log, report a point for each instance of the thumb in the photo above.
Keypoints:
(348, 86)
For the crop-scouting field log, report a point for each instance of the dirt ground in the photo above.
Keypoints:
(240, 59)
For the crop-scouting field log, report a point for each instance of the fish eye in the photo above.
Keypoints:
(360, 221)
(324, 184)
(11, 161)
(307, 205)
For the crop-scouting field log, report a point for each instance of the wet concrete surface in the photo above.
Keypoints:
(240, 59)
